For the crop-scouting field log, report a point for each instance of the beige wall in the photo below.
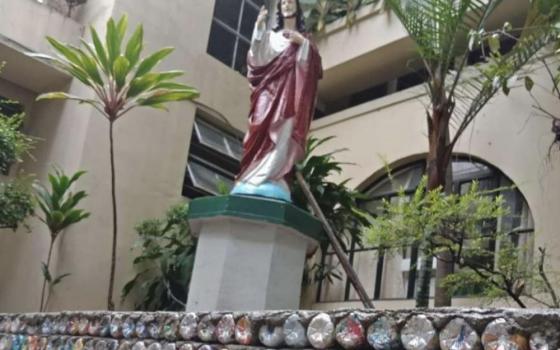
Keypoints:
(507, 134)
(152, 146)
(151, 156)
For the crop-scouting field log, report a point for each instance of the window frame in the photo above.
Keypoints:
(218, 162)
(236, 32)
(415, 256)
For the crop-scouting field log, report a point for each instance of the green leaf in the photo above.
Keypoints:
(59, 204)
(121, 70)
(129, 286)
(142, 84)
(113, 42)
(150, 62)
(59, 279)
(65, 51)
(494, 43)
(100, 50)
(64, 96)
(169, 96)
(529, 83)
(46, 273)
(122, 26)
(134, 46)
(89, 65)
(77, 176)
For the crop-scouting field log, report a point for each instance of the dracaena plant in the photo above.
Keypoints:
(59, 210)
(121, 81)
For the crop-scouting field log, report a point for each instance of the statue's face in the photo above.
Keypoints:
(289, 8)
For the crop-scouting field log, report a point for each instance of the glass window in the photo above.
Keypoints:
(218, 140)
(231, 31)
(394, 276)
(228, 12)
(241, 57)
(207, 179)
(250, 14)
(214, 159)
(9, 108)
(222, 45)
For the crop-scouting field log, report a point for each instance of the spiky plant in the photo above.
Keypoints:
(59, 207)
(121, 81)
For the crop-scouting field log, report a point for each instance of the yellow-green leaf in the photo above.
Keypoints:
(170, 96)
(150, 62)
(120, 70)
(134, 46)
(99, 49)
(142, 84)
(494, 43)
(113, 43)
(89, 66)
(64, 50)
(121, 27)
(54, 96)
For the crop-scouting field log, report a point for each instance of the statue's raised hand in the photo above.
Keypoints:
(262, 16)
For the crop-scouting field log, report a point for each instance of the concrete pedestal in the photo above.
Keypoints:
(250, 254)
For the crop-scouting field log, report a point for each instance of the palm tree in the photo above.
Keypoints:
(441, 30)
(121, 81)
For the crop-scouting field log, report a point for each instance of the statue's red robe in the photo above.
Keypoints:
(283, 92)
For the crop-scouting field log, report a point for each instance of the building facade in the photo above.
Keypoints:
(371, 99)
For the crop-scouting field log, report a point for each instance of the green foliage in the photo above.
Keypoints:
(444, 33)
(463, 226)
(541, 28)
(115, 71)
(59, 207)
(16, 199)
(322, 12)
(16, 203)
(59, 204)
(338, 203)
(13, 143)
(165, 262)
(48, 277)
(122, 80)
(455, 219)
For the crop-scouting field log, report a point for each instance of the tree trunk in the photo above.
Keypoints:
(110, 304)
(439, 155)
(445, 265)
(41, 306)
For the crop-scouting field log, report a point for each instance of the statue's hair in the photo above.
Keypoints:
(300, 20)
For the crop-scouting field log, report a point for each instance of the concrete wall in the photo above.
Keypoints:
(507, 134)
(151, 157)
(152, 146)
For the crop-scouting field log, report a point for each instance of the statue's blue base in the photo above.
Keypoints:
(267, 189)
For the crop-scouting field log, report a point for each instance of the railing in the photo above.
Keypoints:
(65, 7)
(322, 12)
(375, 272)
(348, 329)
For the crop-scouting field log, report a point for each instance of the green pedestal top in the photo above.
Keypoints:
(257, 209)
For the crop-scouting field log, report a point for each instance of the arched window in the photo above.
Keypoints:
(395, 276)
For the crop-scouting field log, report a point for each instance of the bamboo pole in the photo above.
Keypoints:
(354, 280)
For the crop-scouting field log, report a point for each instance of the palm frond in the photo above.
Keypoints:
(474, 93)
(440, 29)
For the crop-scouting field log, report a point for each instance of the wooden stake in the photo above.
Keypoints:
(354, 280)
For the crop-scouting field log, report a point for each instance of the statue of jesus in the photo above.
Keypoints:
(284, 67)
